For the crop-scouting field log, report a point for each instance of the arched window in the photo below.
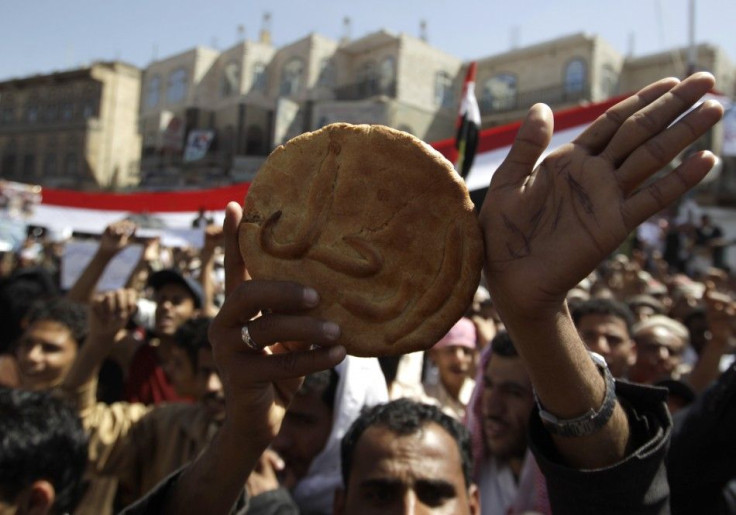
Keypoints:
(176, 89)
(291, 77)
(499, 93)
(153, 91)
(230, 81)
(443, 90)
(575, 76)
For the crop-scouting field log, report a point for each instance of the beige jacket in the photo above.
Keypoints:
(132, 447)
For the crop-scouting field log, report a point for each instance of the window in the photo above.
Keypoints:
(67, 111)
(8, 115)
(52, 112)
(49, 165)
(32, 113)
(70, 164)
(29, 164)
(443, 96)
(387, 74)
(153, 91)
(259, 77)
(176, 89)
(367, 79)
(291, 77)
(254, 141)
(88, 109)
(8, 166)
(499, 93)
(230, 82)
(326, 72)
(575, 76)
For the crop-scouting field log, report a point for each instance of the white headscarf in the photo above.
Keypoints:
(361, 384)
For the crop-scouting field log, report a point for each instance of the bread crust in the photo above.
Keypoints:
(375, 220)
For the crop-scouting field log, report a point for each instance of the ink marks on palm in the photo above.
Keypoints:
(378, 223)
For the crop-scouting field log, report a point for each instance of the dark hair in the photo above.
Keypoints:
(501, 345)
(604, 307)
(192, 336)
(18, 293)
(404, 417)
(324, 382)
(71, 314)
(42, 439)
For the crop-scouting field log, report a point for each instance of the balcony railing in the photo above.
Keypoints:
(365, 89)
(525, 99)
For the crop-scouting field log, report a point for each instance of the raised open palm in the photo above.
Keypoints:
(547, 227)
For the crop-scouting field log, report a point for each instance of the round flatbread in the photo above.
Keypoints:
(375, 220)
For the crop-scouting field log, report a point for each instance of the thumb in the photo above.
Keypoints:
(531, 141)
(235, 272)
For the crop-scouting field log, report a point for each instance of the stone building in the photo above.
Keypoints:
(210, 117)
(561, 73)
(253, 97)
(394, 80)
(75, 128)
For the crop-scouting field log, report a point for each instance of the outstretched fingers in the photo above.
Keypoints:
(599, 133)
(651, 120)
(660, 150)
(659, 194)
(531, 141)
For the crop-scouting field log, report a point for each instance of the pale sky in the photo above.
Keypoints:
(42, 36)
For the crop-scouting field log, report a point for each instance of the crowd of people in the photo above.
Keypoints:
(581, 379)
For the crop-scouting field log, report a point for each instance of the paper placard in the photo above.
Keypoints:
(78, 253)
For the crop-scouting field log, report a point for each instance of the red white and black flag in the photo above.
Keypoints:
(468, 125)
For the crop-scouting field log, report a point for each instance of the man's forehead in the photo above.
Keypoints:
(508, 369)
(48, 330)
(601, 320)
(308, 402)
(429, 453)
(172, 288)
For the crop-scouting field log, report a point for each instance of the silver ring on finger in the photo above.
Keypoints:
(248, 339)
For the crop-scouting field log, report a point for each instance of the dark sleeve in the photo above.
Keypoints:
(273, 502)
(702, 457)
(635, 485)
(155, 500)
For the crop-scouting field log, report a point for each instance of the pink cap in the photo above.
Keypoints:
(462, 334)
